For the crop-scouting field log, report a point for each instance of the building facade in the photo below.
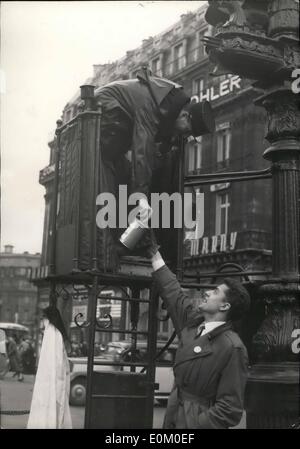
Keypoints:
(235, 217)
(18, 296)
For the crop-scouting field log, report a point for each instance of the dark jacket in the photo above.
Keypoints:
(210, 381)
(14, 356)
(147, 113)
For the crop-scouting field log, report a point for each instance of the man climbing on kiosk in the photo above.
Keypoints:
(140, 117)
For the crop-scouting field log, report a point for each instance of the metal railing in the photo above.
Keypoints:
(176, 65)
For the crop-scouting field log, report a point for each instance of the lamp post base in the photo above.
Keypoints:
(272, 396)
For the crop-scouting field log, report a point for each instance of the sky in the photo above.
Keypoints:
(47, 51)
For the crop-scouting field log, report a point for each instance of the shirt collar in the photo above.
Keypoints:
(211, 325)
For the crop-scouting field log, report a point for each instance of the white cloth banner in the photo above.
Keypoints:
(50, 399)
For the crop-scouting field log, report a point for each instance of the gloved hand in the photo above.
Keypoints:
(148, 245)
(121, 250)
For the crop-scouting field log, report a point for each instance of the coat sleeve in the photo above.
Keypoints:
(178, 305)
(228, 408)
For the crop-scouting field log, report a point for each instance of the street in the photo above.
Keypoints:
(16, 396)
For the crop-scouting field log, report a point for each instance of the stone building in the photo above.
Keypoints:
(18, 296)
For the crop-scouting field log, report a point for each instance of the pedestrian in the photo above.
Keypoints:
(139, 116)
(27, 355)
(50, 399)
(83, 349)
(211, 364)
(14, 357)
(75, 349)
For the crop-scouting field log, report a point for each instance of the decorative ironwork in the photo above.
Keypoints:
(273, 341)
(108, 325)
(244, 42)
(84, 324)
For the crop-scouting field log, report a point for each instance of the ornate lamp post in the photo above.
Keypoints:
(259, 40)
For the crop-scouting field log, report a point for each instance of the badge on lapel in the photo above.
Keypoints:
(197, 349)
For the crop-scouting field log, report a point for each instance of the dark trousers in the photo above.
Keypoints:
(115, 142)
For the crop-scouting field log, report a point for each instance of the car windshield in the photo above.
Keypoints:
(141, 353)
(111, 350)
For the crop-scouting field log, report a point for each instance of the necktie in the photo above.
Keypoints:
(200, 329)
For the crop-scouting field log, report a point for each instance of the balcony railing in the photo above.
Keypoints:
(177, 65)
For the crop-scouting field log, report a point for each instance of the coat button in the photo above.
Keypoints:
(197, 349)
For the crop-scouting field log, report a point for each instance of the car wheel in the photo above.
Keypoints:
(78, 391)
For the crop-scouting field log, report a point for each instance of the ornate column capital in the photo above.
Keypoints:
(283, 109)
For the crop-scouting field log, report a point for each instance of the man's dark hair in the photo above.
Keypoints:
(238, 298)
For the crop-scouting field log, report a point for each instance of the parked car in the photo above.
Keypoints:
(119, 351)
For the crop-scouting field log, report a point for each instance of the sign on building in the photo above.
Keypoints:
(225, 87)
(213, 244)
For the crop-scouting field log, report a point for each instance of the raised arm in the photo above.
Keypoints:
(178, 305)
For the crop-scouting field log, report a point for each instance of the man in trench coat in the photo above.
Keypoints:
(211, 364)
(140, 119)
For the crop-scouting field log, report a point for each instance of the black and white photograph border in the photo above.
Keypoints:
(150, 217)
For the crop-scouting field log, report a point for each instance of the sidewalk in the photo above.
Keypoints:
(15, 396)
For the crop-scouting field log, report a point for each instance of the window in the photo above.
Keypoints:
(156, 69)
(26, 316)
(68, 115)
(195, 155)
(23, 285)
(198, 85)
(224, 140)
(222, 209)
(168, 64)
(163, 327)
(202, 51)
(179, 58)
